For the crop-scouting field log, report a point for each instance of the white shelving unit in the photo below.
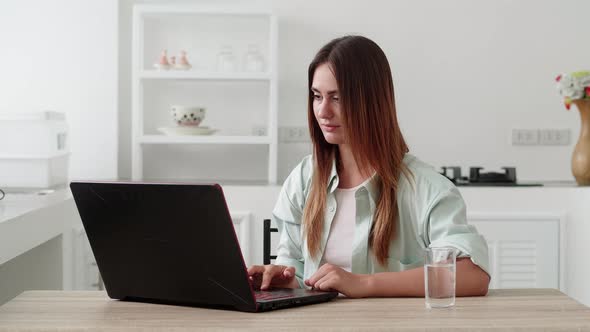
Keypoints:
(202, 31)
(192, 75)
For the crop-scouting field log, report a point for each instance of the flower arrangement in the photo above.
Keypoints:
(574, 86)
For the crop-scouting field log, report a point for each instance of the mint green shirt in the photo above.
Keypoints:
(431, 214)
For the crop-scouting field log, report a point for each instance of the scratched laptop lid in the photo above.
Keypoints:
(169, 243)
(172, 243)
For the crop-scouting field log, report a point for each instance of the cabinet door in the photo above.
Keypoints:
(85, 272)
(241, 221)
(524, 251)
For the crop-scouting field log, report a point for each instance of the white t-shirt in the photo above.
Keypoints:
(339, 245)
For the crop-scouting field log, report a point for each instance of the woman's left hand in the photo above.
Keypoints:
(333, 278)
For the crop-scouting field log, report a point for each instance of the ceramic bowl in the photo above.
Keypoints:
(187, 115)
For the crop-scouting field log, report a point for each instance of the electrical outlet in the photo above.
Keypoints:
(525, 137)
(554, 136)
(293, 134)
(259, 131)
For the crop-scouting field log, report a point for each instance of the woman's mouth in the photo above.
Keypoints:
(330, 128)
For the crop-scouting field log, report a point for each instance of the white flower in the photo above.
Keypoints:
(569, 87)
(572, 85)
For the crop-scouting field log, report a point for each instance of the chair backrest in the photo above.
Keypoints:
(267, 257)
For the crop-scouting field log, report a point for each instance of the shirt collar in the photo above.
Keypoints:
(333, 179)
(372, 186)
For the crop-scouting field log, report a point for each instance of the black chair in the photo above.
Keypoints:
(267, 257)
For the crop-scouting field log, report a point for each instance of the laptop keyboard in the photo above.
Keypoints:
(273, 295)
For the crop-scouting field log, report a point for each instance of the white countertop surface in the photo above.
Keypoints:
(28, 219)
(18, 203)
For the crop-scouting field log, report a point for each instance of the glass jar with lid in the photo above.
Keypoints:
(226, 60)
(253, 59)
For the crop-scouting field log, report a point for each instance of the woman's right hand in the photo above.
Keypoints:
(264, 277)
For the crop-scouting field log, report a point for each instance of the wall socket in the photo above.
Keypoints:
(525, 137)
(288, 134)
(293, 134)
(259, 130)
(541, 136)
(554, 136)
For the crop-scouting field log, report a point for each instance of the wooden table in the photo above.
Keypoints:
(501, 310)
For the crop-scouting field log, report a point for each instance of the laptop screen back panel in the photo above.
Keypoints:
(165, 242)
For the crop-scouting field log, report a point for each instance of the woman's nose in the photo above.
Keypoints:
(324, 110)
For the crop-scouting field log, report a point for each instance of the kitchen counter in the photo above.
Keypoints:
(35, 241)
(571, 203)
(542, 184)
(563, 184)
(28, 219)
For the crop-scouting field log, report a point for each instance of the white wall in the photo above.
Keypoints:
(466, 72)
(62, 55)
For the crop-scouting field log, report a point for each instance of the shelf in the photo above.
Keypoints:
(157, 10)
(201, 75)
(210, 139)
(202, 31)
(35, 156)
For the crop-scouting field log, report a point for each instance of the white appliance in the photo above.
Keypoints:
(34, 150)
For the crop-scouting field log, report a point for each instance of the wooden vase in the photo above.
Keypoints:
(581, 155)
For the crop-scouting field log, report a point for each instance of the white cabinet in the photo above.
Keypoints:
(524, 249)
(242, 224)
(84, 268)
(240, 97)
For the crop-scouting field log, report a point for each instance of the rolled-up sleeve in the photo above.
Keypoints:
(446, 226)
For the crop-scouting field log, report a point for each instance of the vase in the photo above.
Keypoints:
(581, 155)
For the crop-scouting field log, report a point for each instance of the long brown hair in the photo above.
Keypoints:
(367, 102)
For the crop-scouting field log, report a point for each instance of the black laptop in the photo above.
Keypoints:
(173, 244)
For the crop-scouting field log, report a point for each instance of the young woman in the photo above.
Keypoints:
(357, 214)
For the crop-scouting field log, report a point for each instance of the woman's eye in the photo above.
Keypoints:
(336, 98)
(317, 97)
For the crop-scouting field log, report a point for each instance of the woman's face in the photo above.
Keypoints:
(326, 104)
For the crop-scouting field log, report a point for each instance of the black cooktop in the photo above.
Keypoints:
(507, 178)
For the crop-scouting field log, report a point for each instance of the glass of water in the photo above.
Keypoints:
(439, 277)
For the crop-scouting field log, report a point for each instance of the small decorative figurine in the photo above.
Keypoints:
(183, 63)
(163, 61)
